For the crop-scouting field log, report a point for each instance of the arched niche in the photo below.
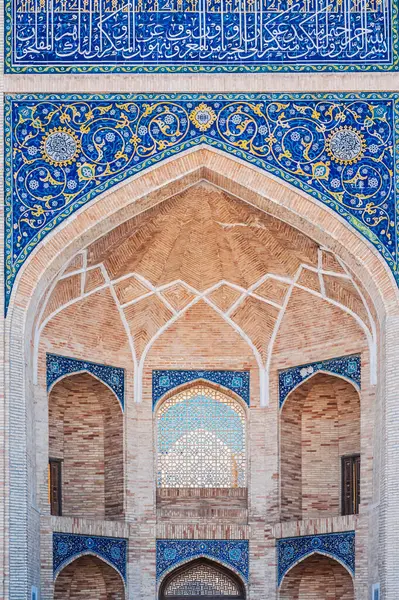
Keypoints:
(201, 579)
(315, 577)
(86, 437)
(89, 577)
(102, 215)
(319, 425)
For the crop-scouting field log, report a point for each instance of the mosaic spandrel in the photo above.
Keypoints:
(195, 35)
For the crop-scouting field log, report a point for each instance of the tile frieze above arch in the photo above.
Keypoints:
(64, 150)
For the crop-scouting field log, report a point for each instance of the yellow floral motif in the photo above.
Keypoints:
(202, 117)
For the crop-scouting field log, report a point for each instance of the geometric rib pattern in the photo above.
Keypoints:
(59, 366)
(340, 546)
(232, 553)
(165, 380)
(62, 151)
(68, 547)
(324, 265)
(346, 366)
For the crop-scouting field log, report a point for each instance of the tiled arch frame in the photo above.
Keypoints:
(106, 212)
(199, 556)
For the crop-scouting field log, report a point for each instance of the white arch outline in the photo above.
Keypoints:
(72, 373)
(320, 553)
(72, 559)
(322, 372)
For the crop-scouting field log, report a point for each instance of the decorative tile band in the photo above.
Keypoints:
(68, 547)
(345, 366)
(187, 35)
(59, 366)
(233, 553)
(164, 381)
(64, 150)
(340, 546)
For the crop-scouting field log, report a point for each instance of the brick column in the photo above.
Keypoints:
(390, 482)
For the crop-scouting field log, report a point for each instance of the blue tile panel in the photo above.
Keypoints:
(62, 151)
(59, 366)
(164, 381)
(340, 546)
(68, 547)
(233, 553)
(196, 36)
(346, 366)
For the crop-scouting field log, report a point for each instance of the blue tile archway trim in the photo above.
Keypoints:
(232, 553)
(340, 546)
(165, 380)
(348, 367)
(68, 547)
(58, 366)
(339, 148)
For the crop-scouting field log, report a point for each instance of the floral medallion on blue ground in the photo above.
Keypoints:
(68, 547)
(51, 36)
(58, 366)
(63, 151)
(165, 380)
(233, 553)
(345, 366)
(340, 546)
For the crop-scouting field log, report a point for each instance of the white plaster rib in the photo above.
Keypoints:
(244, 293)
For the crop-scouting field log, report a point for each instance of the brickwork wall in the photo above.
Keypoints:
(320, 423)
(311, 330)
(89, 578)
(315, 578)
(86, 433)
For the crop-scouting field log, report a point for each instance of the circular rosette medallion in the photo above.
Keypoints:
(345, 145)
(60, 147)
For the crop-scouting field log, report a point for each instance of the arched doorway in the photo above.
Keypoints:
(317, 578)
(202, 579)
(89, 577)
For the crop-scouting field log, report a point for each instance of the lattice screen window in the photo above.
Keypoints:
(202, 580)
(201, 440)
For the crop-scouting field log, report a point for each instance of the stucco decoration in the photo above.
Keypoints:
(340, 546)
(62, 151)
(200, 36)
(233, 553)
(68, 547)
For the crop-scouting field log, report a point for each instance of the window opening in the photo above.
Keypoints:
(55, 488)
(201, 440)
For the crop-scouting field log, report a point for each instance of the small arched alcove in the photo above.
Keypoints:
(86, 447)
(317, 577)
(202, 579)
(319, 435)
(89, 577)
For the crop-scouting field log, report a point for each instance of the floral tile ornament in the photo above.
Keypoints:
(165, 380)
(348, 367)
(58, 366)
(68, 547)
(340, 546)
(232, 553)
(64, 150)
